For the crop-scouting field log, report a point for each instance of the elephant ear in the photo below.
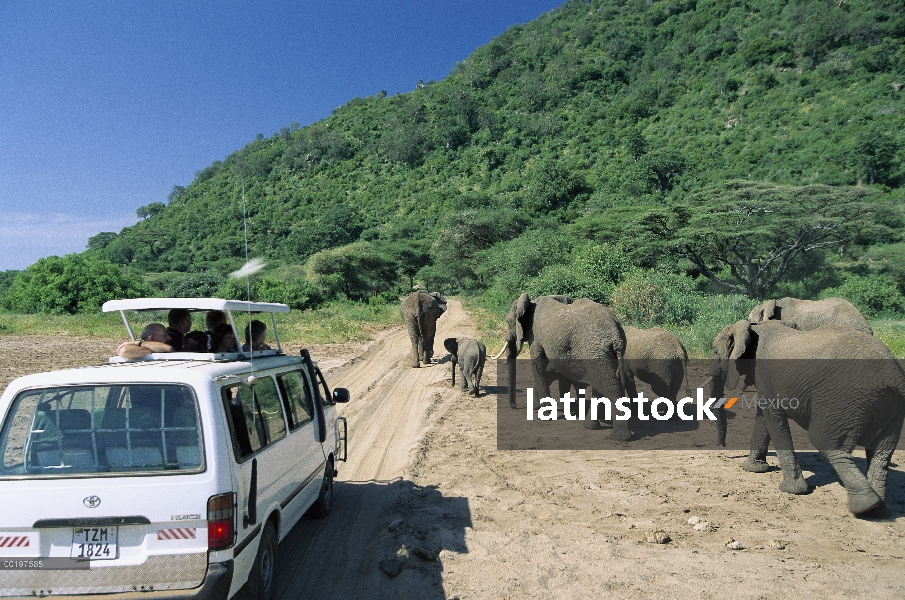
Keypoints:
(756, 314)
(728, 347)
(741, 337)
(769, 310)
(451, 345)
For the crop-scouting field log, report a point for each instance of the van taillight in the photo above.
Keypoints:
(221, 521)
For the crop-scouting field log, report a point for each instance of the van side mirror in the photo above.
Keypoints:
(340, 395)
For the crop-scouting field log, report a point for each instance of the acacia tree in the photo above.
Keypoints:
(745, 235)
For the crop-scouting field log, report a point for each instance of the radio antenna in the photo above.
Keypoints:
(251, 350)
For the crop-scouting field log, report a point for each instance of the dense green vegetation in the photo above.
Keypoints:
(674, 159)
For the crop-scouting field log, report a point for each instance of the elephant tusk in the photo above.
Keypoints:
(500, 353)
(706, 381)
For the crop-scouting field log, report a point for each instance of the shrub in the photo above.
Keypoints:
(296, 293)
(592, 272)
(649, 298)
(71, 284)
(508, 266)
(203, 284)
(874, 295)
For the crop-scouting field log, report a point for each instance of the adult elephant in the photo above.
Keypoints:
(811, 314)
(581, 341)
(656, 357)
(420, 311)
(843, 386)
(470, 355)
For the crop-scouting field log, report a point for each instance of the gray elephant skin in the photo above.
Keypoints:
(582, 341)
(420, 312)
(849, 388)
(470, 355)
(656, 357)
(811, 314)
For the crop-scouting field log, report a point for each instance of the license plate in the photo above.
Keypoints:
(94, 543)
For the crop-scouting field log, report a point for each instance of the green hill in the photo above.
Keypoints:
(582, 127)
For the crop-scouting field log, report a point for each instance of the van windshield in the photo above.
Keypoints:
(109, 429)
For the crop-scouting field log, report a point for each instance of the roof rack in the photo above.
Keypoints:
(197, 305)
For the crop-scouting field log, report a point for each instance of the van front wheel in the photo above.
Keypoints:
(262, 581)
(321, 506)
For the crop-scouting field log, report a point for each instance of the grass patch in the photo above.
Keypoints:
(892, 333)
(335, 322)
(100, 325)
(341, 321)
(489, 320)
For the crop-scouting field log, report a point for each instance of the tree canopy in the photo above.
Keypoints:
(744, 236)
(70, 284)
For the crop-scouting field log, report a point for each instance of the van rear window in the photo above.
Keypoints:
(110, 429)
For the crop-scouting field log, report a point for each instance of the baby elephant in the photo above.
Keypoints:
(470, 355)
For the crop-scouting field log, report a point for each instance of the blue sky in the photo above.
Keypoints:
(106, 105)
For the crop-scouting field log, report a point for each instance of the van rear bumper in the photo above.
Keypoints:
(216, 585)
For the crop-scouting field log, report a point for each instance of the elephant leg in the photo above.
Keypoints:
(541, 382)
(721, 426)
(588, 423)
(467, 379)
(428, 329)
(416, 345)
(861, 496)
(778, 429)
(479, 372)
(879, 454)
(621, 431)
(760, 442)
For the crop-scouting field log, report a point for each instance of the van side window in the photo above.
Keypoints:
(296, 394)
(256, 416)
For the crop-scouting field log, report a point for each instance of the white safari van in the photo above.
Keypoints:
(170, 476)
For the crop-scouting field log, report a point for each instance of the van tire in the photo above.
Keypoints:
(321, 506)
(262, 583)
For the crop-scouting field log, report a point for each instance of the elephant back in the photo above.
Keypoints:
(811, 314)
(652, 344)
(583, 329)
(421, 303)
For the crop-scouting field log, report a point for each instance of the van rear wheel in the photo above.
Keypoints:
(262, 580)
(321, 506)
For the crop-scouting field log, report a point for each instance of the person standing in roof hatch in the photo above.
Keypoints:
(180, 323)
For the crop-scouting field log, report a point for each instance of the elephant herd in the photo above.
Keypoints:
(848, 386)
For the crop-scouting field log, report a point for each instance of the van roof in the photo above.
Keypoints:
(193, 372)
(140, 304)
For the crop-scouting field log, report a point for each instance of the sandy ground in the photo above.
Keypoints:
(428, 507)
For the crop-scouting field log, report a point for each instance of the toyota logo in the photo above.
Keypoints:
(92, 501)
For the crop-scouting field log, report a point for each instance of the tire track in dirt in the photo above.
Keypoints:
(391, 409)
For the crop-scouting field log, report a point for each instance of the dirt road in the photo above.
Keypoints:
(428, 507)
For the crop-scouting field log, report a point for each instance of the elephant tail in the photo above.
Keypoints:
(627, 378)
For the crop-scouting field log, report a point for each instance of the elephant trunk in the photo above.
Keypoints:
(510, 364)
(721, 423)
